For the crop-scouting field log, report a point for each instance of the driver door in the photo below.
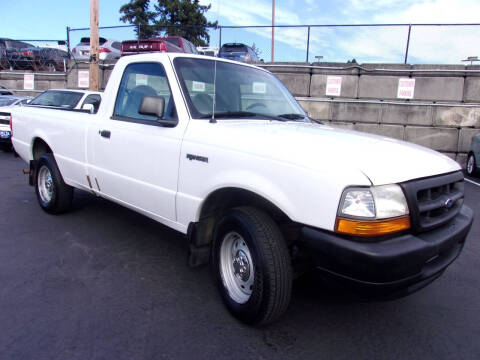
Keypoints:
(134, 159)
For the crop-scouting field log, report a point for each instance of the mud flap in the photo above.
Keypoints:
(31, 174)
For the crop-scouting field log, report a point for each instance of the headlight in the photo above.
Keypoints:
(358, 203)
(373, 211)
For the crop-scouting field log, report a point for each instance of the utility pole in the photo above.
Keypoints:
(94, 45)
(273, 30)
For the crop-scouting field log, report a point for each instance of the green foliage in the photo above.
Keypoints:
(136, 12)
(256, 50)
(172, 17)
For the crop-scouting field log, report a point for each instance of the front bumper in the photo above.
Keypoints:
(399, 265)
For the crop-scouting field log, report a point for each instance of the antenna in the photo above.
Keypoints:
(212, 120)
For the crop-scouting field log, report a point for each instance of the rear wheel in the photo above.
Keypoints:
(54, 196)
(252, 266)
(471, 165)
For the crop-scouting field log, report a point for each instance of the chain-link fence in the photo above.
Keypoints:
(377, 43)
(36, 55)
(388, 43)
(392, 43)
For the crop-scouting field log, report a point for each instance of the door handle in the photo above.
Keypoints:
(104, 133)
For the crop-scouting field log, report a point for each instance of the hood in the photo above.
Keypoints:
(323, 148)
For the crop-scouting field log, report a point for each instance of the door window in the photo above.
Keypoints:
(140, 80)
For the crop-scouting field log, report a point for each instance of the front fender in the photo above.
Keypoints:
(304, 195)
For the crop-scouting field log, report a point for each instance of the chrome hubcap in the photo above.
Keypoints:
(470, 164)
(241, 266)
(236, 267)
(45, 184)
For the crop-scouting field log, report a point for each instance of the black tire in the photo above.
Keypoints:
(61, 193)
(271, 263)
(473, 169)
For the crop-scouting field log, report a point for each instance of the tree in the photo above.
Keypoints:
(256, 50)
(137, 12)
(173, 17)
(184, 18)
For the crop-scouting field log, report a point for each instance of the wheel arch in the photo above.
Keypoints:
(40, 147)
(229, 197)
(201, 232)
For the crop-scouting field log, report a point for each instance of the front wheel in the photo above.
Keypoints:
(54, 196)
(471, 165)
(252, 266)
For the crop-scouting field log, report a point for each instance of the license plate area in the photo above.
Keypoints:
(5, 134)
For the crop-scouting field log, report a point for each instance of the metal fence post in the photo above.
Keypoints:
(220, 38)
(408, 43)
(68, 39)
(138, 35)
(308, 42)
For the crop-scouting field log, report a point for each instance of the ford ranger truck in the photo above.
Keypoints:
(223, 153)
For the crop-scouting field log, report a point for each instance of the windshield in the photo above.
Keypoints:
(174, 41)
(240, 91)
(63, 99)
(6, 102)
(233, 48)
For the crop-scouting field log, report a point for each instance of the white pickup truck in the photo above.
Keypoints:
(222, 152)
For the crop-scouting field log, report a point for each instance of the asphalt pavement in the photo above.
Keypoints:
(102, 282)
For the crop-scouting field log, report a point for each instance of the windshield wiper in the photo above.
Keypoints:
(292, 116)
(295, 116)
(239, 114)
(229, 114)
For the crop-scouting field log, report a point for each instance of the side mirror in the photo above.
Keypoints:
(154, 106)
(89, 107)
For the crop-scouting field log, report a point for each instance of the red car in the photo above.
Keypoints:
(163, 44)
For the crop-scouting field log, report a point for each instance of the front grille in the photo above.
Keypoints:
(434, 201)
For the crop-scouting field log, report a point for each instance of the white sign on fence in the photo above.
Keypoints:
(406, 88)
(83, 78)
(334, 86)
(28, 81)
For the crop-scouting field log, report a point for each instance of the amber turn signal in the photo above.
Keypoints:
(373, 227)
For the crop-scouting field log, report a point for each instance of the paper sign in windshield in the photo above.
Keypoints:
(141, 79)
(83, 78)
(406, 88)
(259, 88)
(198, 86)
(334, 86)
(28, 82)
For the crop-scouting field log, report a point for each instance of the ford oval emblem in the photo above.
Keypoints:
(448, 203)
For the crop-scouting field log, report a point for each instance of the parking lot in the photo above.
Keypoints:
(102, 282)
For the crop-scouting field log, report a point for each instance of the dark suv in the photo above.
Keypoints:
(238, 52)
(43, 58)
(10, 53)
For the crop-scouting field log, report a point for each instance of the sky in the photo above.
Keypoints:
(48, 19)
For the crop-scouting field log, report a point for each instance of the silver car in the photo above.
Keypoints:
(473, 160)
(6, 104)
(108, 49)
